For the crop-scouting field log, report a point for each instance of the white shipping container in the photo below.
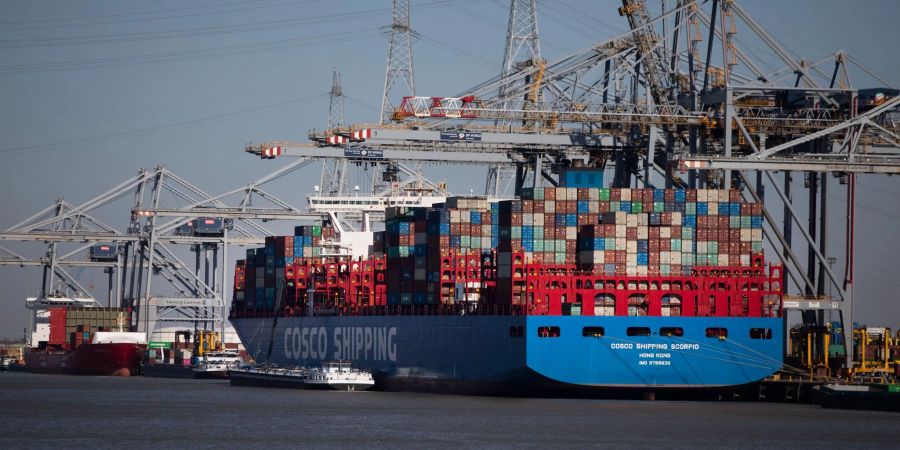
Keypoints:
(664, 257)
(455, 215)
(631, 220)
(712, 208)
(674, 257)
(756, 234)
(745, 260)
(643, 219)
(538, 219)
(631, 271)
(621, 218)
(626, 195)
(665, 233)
(702, 195)
(746, 235)
(528, 219)
(571, 233)
(549, 206)
(621, 231)
(621, 243)
(676, 218)
(701, 246)
(631, 248)
(643, 232)
(642, 271)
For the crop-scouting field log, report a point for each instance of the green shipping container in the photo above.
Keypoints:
(604, 194)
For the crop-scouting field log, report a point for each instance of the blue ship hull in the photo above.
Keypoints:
(492, 353)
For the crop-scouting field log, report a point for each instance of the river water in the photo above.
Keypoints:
(59, 411)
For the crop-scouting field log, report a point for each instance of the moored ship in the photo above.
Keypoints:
(563, 289)
(84, 341)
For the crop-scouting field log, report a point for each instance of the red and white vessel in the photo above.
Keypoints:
(72, 337)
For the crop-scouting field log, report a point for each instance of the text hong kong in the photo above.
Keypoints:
(355, 343)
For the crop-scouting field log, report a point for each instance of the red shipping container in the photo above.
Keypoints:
(549, 194)
(631, 233)
(665, 245)
(583, 194)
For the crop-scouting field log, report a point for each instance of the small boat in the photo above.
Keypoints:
(339, 375)
(217, 364)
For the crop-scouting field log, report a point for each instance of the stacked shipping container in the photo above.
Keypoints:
(458, 250)
(667, 232)
(260, 276)
(70, 327)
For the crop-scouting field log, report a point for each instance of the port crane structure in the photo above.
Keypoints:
(675, 101)
(654, 105)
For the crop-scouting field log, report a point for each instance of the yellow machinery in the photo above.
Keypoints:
(810, 344)
(872, 351)
(208, 341)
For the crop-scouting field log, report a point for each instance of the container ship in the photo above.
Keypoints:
(85, 341)
(560, 289)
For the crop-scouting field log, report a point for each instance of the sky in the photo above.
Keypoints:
(94, 90)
